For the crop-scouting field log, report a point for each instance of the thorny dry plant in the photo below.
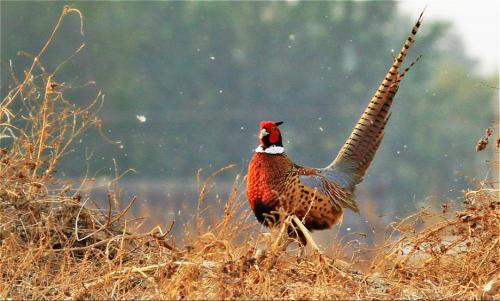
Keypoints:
(54, 245)
(483, 142)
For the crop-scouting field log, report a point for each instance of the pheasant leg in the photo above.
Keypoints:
(306, 233)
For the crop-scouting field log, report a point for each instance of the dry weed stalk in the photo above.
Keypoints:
(42, 218)
(54, 246)
(483, 142)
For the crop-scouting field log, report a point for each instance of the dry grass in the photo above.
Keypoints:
(55, 245)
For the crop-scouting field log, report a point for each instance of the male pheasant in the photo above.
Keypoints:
(317, 196)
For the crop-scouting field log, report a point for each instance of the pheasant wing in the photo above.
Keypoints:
(338, 196)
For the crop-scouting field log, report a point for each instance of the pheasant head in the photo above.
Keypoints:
(270, 138)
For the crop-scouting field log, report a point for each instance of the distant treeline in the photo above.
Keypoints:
(187, 83)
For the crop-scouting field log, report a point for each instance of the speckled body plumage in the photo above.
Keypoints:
(318, 196)
(275, 183)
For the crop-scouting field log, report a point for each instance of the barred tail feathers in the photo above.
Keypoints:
(358, 151)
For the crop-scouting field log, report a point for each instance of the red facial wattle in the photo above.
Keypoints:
(274, 136)
(269, 133)
(268, 124)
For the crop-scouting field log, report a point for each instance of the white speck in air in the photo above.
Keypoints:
(242, 128)
(212, 58)
(121, 146)
(141, 118)
(221, 91)
(321, 129)
(398, 152)
(348, 229)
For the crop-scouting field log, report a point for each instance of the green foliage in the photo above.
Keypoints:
(205, 73)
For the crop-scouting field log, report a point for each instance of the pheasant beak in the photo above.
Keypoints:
(263, 133)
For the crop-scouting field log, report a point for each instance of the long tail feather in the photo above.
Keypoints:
(358, 151)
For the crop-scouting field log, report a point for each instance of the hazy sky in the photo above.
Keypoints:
(477, 21)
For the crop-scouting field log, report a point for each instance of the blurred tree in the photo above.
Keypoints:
(205, 73)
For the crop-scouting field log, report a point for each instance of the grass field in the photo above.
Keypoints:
(56, 244)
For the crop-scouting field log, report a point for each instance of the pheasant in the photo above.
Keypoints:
(318, 196)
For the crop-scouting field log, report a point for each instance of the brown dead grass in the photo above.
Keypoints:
(54, 244)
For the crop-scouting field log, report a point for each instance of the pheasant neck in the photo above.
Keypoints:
(273, 149)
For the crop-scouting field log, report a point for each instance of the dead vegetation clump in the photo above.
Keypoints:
(456, 256)
(55, 243)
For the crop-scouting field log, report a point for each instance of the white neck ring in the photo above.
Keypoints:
(273, 149)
